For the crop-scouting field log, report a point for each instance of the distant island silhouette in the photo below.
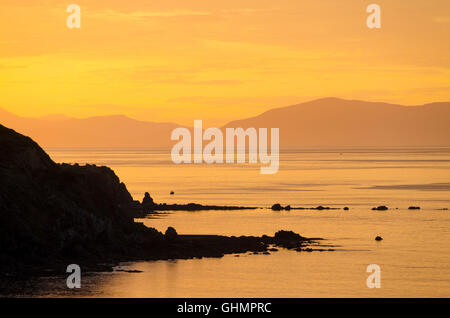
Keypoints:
(326, 122)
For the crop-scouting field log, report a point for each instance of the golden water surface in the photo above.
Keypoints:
(414, 255)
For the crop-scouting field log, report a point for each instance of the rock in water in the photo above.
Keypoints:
(147, 203)
(380, 208)
(277, 207)
(171, 233)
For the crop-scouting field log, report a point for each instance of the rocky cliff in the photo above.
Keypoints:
(53, 211)
(52, 215)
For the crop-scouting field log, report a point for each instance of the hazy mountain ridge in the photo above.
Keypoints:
(97, 131)
(327, 122)
(332, 122)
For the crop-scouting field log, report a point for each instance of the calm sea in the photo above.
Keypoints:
(414, 256)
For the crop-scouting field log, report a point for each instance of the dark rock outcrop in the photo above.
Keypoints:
(171, 234)
(148, 205)
(380, 208)
(414, 208)
(378, 238)
(195, 207)
(279, 207)
(288, 239)
(281, 236)
(52, 211)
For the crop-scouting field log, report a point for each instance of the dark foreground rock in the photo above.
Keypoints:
(161, 247)
(52, 215)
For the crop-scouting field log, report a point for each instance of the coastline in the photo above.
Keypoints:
(60, 214)
(173, 246)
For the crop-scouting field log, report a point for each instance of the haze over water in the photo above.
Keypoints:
(414, 255)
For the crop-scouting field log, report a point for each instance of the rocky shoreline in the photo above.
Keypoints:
(169, 247)
(148, 206)
(52, 215)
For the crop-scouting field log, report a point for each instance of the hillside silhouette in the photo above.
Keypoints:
(332, 122)
(98, 131)
(327, 122)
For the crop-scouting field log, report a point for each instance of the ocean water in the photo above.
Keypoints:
(414, 256)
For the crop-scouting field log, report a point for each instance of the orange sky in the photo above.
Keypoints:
(165, 60)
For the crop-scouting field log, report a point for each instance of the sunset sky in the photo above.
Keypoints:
(166, 60)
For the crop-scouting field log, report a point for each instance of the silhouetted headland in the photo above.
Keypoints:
(52, 215)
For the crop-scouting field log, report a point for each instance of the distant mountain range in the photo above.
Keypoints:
(99, 131)
(337, 122)
(327, 122)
